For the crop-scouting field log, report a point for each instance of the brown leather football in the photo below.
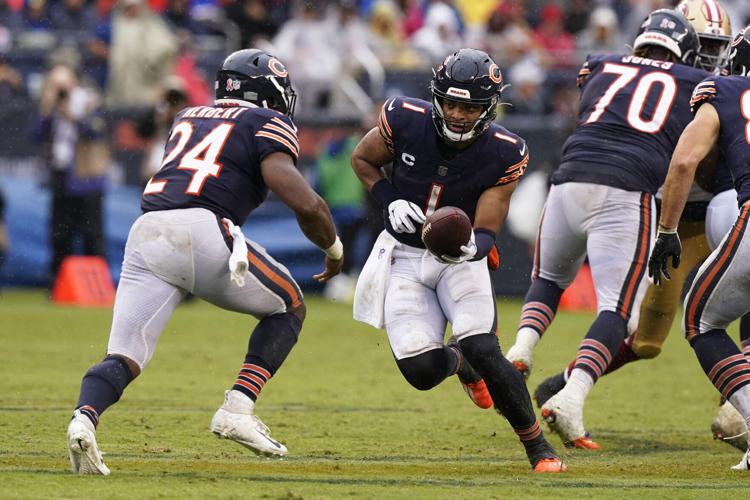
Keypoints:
(446, 230)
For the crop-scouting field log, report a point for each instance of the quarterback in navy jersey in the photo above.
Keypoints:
(219, 164)
(601, 206)
(446, 153)
(719, 292)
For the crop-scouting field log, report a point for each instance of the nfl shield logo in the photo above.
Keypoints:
(442, 171)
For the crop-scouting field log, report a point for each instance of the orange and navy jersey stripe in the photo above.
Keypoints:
(537, 249)
(730, 374)
(274, 278)
(268, 273)
(704, 91)
(637, 269)
(583, 73)
(514, 172)
(282, 132)
(384, 127)
(705, 283)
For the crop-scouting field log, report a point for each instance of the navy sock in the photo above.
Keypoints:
(268, 347)
(102, 387)
(505, 384)
(605, 337)
(540, 305)
(745, 334)
(722, 361)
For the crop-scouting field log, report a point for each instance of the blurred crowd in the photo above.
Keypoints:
(340, 52)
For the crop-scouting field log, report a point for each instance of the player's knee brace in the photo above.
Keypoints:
(274, 337)
(425, 371)
(114, 371)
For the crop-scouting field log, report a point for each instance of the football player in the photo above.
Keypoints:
(218, 166)
(632, 111)
(446, 153)
(719, 292)
(702, 226)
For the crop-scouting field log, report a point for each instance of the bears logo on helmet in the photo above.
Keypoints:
(254, 76)
(739, 56)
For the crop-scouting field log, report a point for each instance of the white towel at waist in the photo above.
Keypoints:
(369, 296)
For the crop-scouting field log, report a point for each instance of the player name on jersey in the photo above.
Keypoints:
(229, 113)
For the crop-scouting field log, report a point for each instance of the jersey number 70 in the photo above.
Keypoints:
(626, 74)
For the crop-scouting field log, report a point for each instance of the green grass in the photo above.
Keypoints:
(353, 427)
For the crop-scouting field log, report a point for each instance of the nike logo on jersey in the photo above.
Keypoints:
(523, 150)
(390, 105)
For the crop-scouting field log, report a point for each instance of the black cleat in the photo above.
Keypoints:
(548, 388)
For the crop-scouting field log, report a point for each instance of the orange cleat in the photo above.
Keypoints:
(553, 465)
(523, 368)
(584, 443)
(478, 393)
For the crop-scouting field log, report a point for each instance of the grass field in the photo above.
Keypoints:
(353, 427)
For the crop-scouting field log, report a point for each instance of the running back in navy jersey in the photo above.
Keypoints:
(632, 112)
(212, 160)
(730, 95)
(431, 174)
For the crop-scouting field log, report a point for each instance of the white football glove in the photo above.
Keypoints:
(403, 215)
(468, 251)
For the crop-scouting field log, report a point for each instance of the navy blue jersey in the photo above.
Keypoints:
(212, 160)
(632, 112)
(431, 174)
(722, 179)
(730, 95)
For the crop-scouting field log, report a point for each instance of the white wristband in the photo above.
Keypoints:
(666, 230)
(335, 251)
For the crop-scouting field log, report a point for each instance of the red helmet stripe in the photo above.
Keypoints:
(713, 11)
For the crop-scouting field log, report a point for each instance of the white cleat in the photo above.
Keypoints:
(235, 420)
(744, 463)
(85, 457)
(522, 359)
(729, 426)
(565, 417)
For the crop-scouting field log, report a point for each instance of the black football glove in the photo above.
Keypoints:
(667, 245)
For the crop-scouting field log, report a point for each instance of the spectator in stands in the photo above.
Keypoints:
(154, 125)
(507, 37)
(341, 189)
(558, 44)
(577, 16)
(304, 44)
(140, 49)
(10, 23)
(177, 15)
(72, 132)
(73, 15)
(36, 16)
(525, 91)
(602, 35)
(255, 19)
(11, 84)
(440, 34)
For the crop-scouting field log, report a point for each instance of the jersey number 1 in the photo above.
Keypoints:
(201, 158)
(638, 101)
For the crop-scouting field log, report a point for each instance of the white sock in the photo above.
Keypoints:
(240, 402)
(579, 384)
(741, 400)
(526, 339)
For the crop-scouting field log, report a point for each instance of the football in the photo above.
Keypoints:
(446, 230)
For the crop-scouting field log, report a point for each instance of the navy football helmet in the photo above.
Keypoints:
(468, 76)
(254, 76)
(739, 54)
(669, 29)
